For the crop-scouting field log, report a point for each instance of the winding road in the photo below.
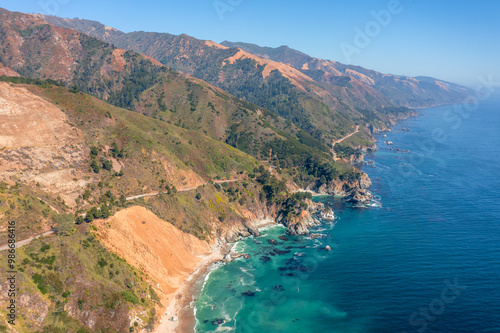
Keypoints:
(27, 240)
(152, 194)
(187, 189)
(335, 158)
(51, 232)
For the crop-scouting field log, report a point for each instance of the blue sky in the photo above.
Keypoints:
(456, 40)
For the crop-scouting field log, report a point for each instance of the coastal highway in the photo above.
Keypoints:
(51, 232)
(339, 141)
(27, 240)
(187, 189)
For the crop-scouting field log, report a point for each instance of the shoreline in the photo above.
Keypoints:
(181, 306)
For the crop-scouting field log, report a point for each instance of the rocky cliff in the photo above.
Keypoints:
(300, 223)
(354, 191)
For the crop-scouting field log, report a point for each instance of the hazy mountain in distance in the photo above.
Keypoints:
(139, 83)
(403, 90)
(325, 110)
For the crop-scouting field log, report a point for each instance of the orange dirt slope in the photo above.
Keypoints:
(165, 253)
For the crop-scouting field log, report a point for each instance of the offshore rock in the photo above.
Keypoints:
(265, 259)
(359, 196)
(248, 293)
(239, 255)
(272, 241)
(218, 321)
(281, 252)
(327, 214)
(318, 236)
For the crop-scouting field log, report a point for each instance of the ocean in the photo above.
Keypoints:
(425, 257)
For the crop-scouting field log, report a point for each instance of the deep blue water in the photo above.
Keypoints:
(426, 260)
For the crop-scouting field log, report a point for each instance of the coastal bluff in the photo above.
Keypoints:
(165, 253)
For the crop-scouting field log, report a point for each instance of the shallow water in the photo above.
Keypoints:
(425, 260)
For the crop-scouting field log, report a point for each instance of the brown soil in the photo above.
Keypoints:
(119, 62)
(295, 76)
(361, 77)
(157, 248)
(38, 143)
(181, 178)
(153, 61)
(4, 70)
(215, 45)
(27, 120)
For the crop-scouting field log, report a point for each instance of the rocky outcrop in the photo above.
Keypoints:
(364, 181)
(297, 224)
(245, 229)
(4, 70)
(356, 159)
(327, 214)
(351, 190)
(300, 224)
(359, 196)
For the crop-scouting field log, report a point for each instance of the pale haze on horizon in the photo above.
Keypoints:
(454, 41)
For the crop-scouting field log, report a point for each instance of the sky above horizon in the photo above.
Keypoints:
(456, 41)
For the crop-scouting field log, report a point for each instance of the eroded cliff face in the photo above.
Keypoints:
(300, 224)
(156, 247)
(353, 191)
(38, 144)
(258, 215)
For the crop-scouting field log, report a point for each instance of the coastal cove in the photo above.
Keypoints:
(433, 233)
(171, 176)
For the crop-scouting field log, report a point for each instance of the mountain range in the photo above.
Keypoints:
(110, 139)
(312, 85)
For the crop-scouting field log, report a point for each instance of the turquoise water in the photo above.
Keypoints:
(426, 259)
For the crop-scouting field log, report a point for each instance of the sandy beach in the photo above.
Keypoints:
(175, 262)
(171, 259)
(179, 314)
